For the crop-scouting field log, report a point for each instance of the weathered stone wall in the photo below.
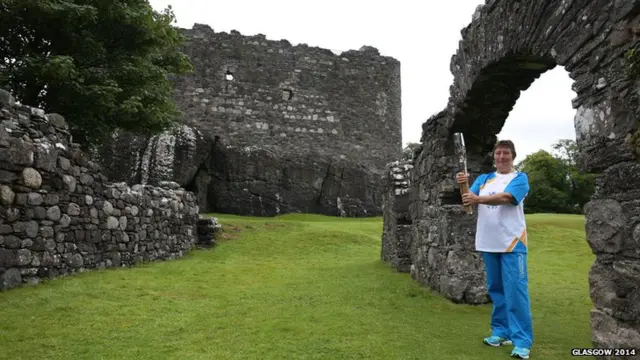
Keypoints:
(59, 215)
(506, 47)
(265, 93)
(444, 256)
(299, 118)
(396, 235)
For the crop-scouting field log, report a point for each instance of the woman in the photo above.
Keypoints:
(501, 237)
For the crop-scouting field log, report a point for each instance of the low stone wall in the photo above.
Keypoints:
(59, 215)
(207, 228)
(397, 228)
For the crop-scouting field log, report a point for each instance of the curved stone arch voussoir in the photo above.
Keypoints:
(511, 43)
(506, 47)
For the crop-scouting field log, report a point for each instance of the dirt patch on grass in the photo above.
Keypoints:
(232, 231)
(228, 236)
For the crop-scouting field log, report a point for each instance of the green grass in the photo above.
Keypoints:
(296, 287)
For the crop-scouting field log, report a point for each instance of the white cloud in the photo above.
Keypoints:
(422, 37)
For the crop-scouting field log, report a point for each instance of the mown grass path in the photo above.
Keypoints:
(297, 287)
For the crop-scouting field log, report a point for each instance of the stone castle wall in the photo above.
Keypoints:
(259, 92)
(59, 215)
(271, 128)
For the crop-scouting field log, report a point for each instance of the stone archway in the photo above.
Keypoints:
(508, 45)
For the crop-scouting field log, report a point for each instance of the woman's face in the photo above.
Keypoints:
(503, 159)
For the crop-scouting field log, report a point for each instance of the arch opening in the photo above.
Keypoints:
(590, 40)
(491, 98)
(486, 107)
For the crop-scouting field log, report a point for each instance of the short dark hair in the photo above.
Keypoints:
(508, 144)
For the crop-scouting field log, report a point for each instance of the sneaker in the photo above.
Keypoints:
(521, 353)
(496, 341)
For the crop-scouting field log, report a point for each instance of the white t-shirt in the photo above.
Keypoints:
(502, 228)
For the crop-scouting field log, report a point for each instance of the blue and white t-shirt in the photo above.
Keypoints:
(502, 228)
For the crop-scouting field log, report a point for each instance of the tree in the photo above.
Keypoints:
(582, 185)
(101, 64)
(557, 185)
(409, 152)
(548, 182)
(567, 150)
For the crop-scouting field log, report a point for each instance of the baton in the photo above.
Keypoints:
(461, 154)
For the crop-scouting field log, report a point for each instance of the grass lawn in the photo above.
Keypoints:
(296, 287)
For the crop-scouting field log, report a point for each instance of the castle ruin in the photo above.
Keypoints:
(508, 45)
(270, 128)
(59, 215)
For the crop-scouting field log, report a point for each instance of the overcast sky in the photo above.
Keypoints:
(422, 37)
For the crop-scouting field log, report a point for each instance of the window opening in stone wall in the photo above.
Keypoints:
(287, 94)
(228, 76)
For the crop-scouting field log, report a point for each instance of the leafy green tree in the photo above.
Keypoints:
(567, 150)
(548, 181)
(102, 64)
(582, 185)
(557, 185)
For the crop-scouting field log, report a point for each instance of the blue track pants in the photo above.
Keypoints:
(507, 282)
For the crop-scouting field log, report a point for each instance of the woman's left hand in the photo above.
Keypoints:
(470, 199)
